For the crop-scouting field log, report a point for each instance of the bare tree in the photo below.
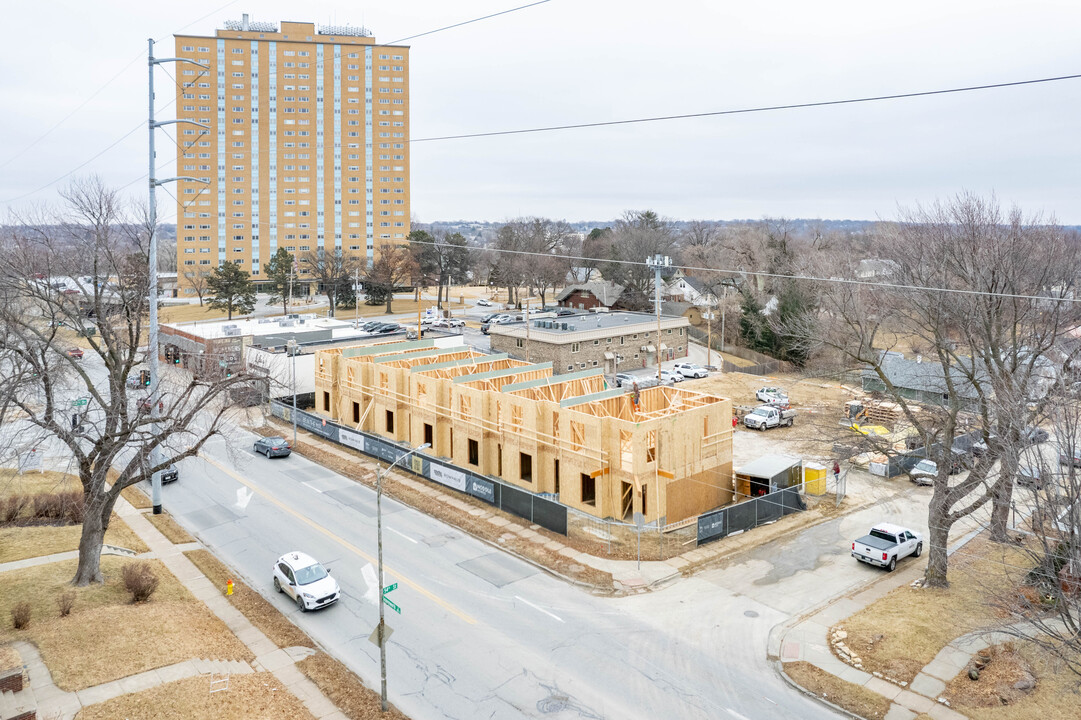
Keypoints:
(108, 282)
(1042, 603)
(964, 294)
(394, 266)
(332, 268)
(197, 281)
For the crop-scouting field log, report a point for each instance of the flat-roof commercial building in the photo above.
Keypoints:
(306, 145)
(613, 341)
(667, 456)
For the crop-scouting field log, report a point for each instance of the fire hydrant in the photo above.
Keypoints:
(229, 588)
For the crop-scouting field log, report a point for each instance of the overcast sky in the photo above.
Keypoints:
(572, 61)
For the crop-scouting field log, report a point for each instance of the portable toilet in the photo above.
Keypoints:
(814, 478)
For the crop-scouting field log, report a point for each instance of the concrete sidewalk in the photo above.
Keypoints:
(53, 702)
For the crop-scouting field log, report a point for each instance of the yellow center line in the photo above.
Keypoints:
(344, 543)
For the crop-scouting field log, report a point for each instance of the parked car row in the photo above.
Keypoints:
(378, 327)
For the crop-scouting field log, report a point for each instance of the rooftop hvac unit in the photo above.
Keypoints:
(563, 326)
(232, 331)
(285, 323)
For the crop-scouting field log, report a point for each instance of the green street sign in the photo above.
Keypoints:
(390, 588)
(80, 402)
(391, 605)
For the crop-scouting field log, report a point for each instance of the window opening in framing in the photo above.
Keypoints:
(589, 490)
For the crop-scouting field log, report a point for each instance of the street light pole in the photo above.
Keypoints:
(291, 346)
(379, 541)
(152, 262)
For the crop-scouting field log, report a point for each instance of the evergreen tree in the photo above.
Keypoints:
(279, 272)
(231, 289)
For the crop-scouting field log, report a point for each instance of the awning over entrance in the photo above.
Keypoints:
(609, 356)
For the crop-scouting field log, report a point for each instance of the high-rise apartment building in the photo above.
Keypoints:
(305, 145)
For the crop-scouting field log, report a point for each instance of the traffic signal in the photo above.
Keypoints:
(144, 377)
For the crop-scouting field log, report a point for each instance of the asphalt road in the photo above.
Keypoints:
(483, 634)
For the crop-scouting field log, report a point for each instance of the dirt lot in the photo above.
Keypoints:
(819, 404)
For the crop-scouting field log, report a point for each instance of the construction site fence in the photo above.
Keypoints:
(529, 506)
(749, 514)
(762, 364)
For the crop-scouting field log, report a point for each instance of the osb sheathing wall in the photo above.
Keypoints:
(674, 447)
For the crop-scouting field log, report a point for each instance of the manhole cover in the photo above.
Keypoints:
(750, 613)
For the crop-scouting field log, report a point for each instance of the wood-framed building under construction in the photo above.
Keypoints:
(666, 454)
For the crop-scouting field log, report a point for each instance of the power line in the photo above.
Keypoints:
(101, 88)
(780, 276)
(468, 22)
(743, 111)
(78, 167)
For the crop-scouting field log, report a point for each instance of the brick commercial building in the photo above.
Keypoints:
(614, 342)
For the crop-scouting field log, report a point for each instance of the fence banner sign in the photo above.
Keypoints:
(448, 477)
(351, 439)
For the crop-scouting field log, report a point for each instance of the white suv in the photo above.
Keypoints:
(690, 370)
(306, 581)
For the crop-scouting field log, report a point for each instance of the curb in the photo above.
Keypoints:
(821, 700)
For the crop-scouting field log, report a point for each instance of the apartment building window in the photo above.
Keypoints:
(575, 347)
(518, 342)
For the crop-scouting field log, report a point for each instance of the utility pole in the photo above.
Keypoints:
(291, 346)
(382, 596)
(356, 297)
(657, 263)
(527, 330)
(152, 334)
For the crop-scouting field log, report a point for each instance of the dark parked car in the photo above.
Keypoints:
(170, 474)
(564, 311)
(1065, 459)
(273, 447)
(1035, 436)
(1030, 476)
(488, 317)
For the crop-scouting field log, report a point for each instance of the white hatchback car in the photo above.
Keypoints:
(302, 578)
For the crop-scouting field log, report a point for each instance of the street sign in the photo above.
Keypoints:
(391, 605)
(79, 402)
(374, 637)
(390, 588)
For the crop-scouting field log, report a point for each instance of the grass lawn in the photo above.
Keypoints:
(902, 632)
(169, 527)
(32, 483)
(343, 688)
(399, 306)
(854, 698)
(86, 648)
(138, 499)
(254, 606)
(19, 543)
(260, 695)
(188, 313)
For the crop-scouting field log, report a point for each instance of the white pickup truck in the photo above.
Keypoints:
(886, 544)
(769, 416)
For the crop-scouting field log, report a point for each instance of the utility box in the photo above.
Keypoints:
(768, 474)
